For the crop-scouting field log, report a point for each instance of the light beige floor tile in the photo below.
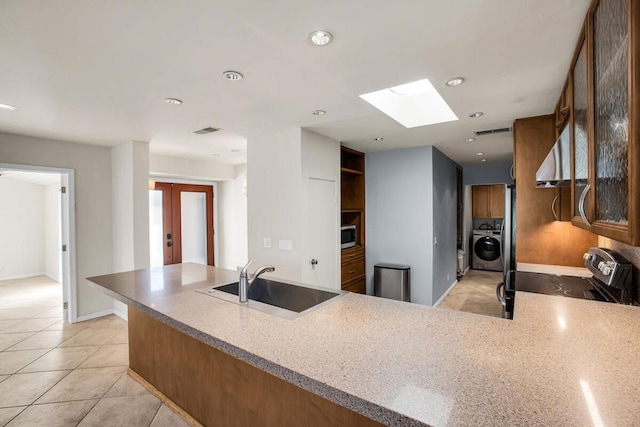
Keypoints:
(6, 414)
(44, 303)
(111, 321)
(43, 339)
(122, 337)
(59, 359)
(24, 389)
(90, 336)
(3, 377)
(8, 340)
(126, 386)
(83, 384)
(167, 418)
(12, 361)
(19, 313)
(31, 325)
(51, 312)
(65, 414)
(66, 326)
(109, 355)
(123, 411)
(6, 323)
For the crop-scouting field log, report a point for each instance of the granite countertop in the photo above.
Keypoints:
(561, 361)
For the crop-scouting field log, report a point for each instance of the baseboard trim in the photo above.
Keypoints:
(95, 315)
(23, 276)
(164, 399)
(466, 270)
(121, 314)
(446, 293)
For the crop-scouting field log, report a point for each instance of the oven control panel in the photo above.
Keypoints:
(609, 267)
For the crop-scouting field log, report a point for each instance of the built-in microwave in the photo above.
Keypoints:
(348, 236)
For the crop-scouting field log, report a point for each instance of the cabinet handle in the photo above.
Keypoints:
(553, 207)
(351, 271)
(583, 197)
(512, 171)
(351, 255)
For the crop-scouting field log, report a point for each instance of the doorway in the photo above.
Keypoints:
(181, 223)
(63, 241)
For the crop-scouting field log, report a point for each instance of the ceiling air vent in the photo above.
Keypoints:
(492, 131)
(206, 131)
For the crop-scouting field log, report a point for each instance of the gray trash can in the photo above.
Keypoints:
(391, 281)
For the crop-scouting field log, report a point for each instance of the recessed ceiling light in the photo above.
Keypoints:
(172, 101)
(412, 104)
(456, 81)
(236, 150)
(479, 153)
(378, 138)
(232, 75)
(215, 155)
(8, 107)
(470, 139)
(476, 114)
(318, 112)
(320, 37)
(483, 160)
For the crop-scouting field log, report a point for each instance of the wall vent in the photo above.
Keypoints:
(206, 131)
(492, 131)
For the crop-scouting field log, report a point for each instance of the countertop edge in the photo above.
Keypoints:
(356, 404)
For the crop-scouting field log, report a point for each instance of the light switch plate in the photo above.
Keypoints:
(267, 242)
(285, 245)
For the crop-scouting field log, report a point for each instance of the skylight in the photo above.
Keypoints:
(412, 104)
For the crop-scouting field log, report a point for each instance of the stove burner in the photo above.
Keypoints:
(566, 286)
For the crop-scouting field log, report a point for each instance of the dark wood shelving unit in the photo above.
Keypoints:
(352, 205)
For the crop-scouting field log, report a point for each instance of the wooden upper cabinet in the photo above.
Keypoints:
(488, 201)
(606, 137)
(481, 201)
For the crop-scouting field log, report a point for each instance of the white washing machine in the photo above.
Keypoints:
(487, 250)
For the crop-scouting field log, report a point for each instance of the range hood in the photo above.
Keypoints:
(555, 171)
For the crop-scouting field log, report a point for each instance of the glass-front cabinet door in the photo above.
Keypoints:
(580, 142)
(606, 122)
(611, 111)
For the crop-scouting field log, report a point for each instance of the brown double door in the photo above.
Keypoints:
(187, 222)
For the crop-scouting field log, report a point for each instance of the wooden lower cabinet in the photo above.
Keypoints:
(216, 388)
(353, 270)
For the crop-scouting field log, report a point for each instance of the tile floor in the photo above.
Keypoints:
(59, 374)
(475, 293)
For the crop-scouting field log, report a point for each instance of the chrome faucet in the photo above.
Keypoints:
(245, 281)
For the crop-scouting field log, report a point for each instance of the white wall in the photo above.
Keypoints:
(232, 220)
(92, 165)
(278, 166)
(202, 170)
(130, 204)
(51, 213)
(274, 200)
(22, 253)
(320, 160)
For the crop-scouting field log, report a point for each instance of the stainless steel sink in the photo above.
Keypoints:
(282, 299)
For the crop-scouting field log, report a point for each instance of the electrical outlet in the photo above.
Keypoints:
(267, 242)
(285, 245)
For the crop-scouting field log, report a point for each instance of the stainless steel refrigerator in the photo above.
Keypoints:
(506, 289)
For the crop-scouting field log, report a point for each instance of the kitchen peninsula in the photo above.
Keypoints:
(364, 360)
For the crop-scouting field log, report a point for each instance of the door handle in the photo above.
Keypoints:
(583, 197)
(553, 207)
(313, 262)
(499, 294)
(169, 244)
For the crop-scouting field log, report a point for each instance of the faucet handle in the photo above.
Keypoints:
(243, 273)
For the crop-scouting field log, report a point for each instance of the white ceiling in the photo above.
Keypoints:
(97, 72)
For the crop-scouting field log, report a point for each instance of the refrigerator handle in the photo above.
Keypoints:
(499, 294)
